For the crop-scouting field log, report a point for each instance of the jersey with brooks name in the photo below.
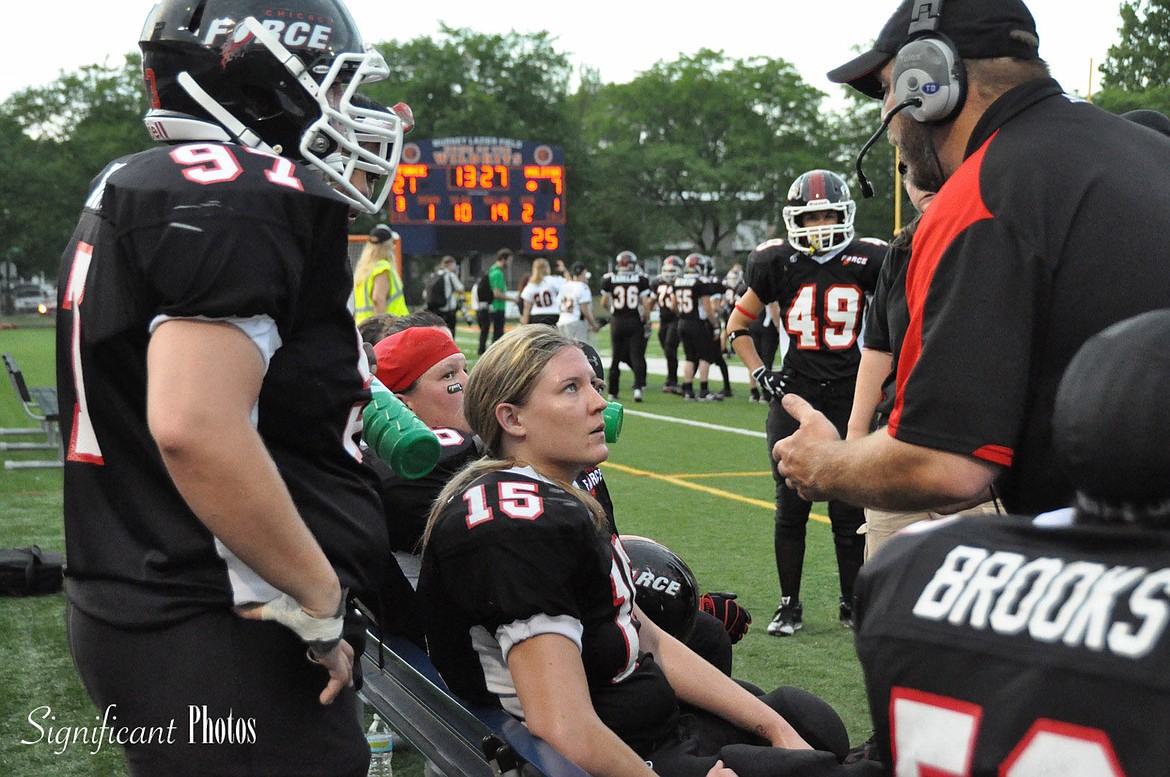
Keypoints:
(992, 646)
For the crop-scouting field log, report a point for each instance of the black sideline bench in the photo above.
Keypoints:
(404, 688)
(40, 404)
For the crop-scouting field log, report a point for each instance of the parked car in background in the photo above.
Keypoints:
(33, 298)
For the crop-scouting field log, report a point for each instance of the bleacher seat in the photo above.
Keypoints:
(40, 404)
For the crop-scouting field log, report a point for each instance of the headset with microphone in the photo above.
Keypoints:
(928, 78)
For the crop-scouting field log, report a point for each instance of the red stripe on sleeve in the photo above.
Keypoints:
(955, 208)
(996, 454)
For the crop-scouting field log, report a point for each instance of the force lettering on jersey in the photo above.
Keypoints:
(1083, 604)
(855, 259)
(588, 481)
(300, 33)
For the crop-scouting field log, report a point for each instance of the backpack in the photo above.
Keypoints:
(436, 291)
(483, 289)
(29, 571)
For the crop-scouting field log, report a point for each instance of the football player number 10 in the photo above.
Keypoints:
(936, 735)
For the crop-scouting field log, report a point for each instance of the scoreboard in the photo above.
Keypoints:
(462, 194)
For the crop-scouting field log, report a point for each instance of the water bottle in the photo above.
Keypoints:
(397, 435)
(613, 414)
(381, 749)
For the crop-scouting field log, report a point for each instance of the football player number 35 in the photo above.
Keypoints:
(936, 735)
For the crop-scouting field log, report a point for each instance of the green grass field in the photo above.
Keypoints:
(704, 492)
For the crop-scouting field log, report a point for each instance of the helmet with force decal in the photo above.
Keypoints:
(276, 75)
(665, 587)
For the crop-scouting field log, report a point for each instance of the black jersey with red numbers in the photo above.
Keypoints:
(822, 301)
(407, 503)
(515, 556)
(210, 231)
(993, 645)
(1053, 228)
(625, 291)
(663, 290)
(689, 291)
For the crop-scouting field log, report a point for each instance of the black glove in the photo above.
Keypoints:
(771, 383)
(723, 606)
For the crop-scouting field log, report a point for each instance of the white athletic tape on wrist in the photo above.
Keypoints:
(321, 634)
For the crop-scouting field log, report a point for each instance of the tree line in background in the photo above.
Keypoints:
(684, 153)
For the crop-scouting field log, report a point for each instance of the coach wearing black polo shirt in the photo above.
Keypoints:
(1049, 225)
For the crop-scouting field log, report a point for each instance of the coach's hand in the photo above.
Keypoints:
(771, 383)
(798, 456)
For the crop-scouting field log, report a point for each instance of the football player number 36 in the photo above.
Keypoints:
(936, 735)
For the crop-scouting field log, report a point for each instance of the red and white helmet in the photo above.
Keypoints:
(672, 267)
(626, 261)
(818, 191)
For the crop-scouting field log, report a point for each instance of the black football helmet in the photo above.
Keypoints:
(817, 191)
(665, 587)
(626, 262)
(279, 76)
(1110, 421)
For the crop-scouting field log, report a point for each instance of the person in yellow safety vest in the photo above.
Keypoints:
(377, 288)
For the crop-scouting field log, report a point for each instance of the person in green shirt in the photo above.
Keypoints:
(500, 296)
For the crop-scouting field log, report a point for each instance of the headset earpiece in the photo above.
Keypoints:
(928, 68)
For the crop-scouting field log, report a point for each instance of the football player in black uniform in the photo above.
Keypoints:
(626, 292)
(530, 605)
(663, 289)
(820, 277)
(695, 303)
(999, 645)
(718, 299)
(216, 511)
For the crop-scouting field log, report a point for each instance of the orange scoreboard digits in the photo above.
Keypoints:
(479, 193)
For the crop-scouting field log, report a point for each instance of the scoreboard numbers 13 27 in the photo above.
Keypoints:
(479, 193)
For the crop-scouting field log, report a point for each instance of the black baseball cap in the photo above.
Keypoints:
(980, 29)
(1111, 420)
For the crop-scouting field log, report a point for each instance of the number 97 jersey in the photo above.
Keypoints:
(822, 301)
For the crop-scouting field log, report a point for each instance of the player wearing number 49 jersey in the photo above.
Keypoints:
(820, 276)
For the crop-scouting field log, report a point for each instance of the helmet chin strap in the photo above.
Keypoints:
(233, 126)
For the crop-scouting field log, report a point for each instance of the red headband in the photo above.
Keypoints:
(405, 356)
